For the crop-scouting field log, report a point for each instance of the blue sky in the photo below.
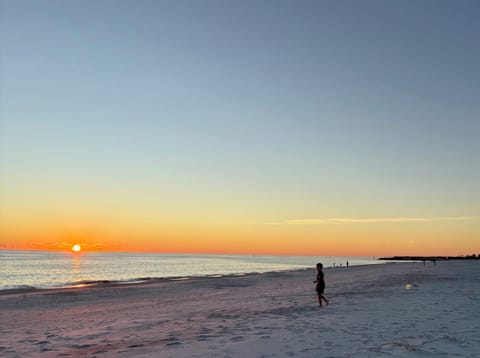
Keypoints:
(299, 109)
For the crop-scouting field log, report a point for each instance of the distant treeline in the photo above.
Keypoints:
(431, 258)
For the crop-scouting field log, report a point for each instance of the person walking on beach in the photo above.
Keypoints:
(320, 288)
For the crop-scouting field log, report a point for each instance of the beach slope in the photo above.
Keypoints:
(394, 309)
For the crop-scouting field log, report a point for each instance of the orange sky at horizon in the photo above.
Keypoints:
(407, 237)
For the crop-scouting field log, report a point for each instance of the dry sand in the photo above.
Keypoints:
(401, 309)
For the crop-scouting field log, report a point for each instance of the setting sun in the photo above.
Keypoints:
(76, 248)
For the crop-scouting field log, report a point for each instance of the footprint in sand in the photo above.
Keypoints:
(174, 343)
(136, 345)
(206, 337)
(41, 342)
(83, 346)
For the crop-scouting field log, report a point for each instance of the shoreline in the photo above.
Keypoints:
(429, 258)
(147, 280)
(391, 309)
(135, 282)
(29, 270)
(138, 282)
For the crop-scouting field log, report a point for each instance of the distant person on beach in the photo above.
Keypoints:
(320, 288)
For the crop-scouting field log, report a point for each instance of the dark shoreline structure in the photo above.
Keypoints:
(430, 258)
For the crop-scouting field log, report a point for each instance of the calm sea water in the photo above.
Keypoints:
(42, 269)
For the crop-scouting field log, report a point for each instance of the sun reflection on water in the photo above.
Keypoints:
(76, 269)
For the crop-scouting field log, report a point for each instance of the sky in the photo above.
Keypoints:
(266, 127)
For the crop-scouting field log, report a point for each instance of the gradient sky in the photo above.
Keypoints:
(284, 127)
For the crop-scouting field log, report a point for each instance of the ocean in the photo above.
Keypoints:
(48, 269)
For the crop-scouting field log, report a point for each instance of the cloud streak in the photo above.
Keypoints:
(368, 220)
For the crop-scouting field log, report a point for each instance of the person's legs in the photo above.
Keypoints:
(320, 299)
(325, 299)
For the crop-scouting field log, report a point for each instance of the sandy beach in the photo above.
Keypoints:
(395, 309)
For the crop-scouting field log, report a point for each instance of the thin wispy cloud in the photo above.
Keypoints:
(368, 220)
